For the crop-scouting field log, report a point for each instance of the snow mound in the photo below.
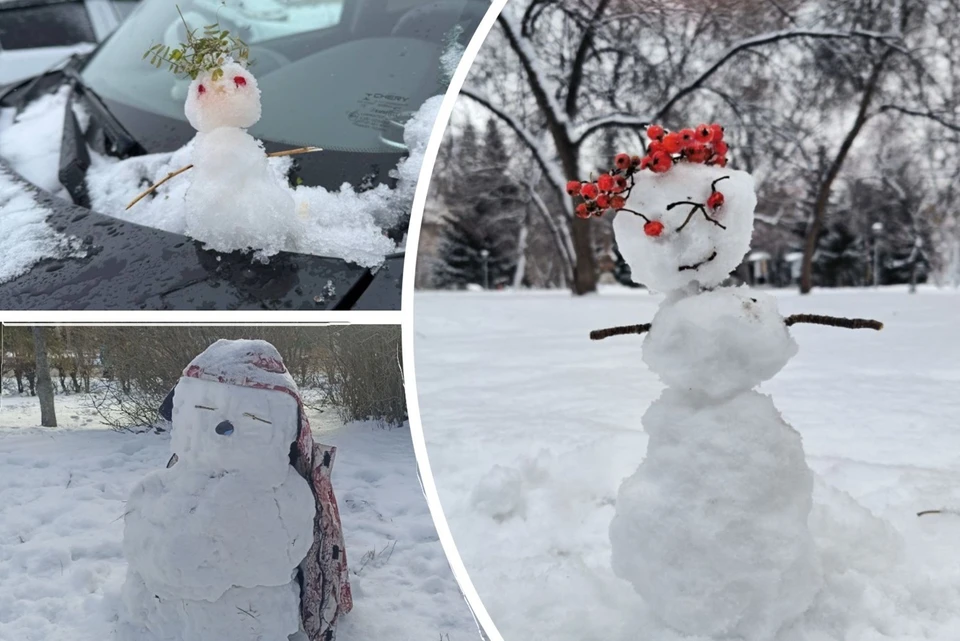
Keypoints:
(240, 613)
(719, 342)
(192, 533)
(27, 238)
(500, 494)
(675, 258)
(711, 530)
(254, 446)
(31, 143)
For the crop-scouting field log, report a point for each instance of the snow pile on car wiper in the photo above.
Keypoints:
(31, 142)
(26, 236)
(344, 224)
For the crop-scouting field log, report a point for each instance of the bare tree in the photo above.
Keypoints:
(801, 80)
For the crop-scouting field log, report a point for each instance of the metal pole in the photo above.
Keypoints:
(877, 228)
(485, 257)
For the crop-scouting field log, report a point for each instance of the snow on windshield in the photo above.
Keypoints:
(343, 224)
(27, 238)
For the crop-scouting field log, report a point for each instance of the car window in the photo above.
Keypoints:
(51, 25)
(339, 75)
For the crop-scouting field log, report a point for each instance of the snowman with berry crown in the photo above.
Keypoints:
(712, 528)
(239, 537)
(232, 187)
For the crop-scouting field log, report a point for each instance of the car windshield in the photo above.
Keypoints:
(340, 74)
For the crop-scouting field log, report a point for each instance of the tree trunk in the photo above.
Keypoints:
(32, 381)
(75, 382)
(48, 415)
(585, 268)
(18, 374)
(823, 194)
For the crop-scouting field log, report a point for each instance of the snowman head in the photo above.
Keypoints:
(237, 409)
(232, 100)
(682, 217)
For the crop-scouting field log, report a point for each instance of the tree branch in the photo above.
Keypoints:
(555, 117)
(579, 60)
(525, 136)
(760, 40)
(921, 114)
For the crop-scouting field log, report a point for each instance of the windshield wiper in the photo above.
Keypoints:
(124, 144)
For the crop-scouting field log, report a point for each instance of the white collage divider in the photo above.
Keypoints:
(409, 370)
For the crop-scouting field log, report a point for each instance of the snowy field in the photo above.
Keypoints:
(531, 427)
(62, 494)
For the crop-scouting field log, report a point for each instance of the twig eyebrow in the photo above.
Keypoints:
(257, 418)
(204, 407)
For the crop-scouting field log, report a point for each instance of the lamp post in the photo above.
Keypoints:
(485, 258)
(877, 228)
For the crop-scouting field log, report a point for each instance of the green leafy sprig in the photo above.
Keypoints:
(198, 54)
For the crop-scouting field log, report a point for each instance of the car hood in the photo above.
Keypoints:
(128, 266)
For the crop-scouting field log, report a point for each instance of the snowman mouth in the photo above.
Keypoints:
(696, 266)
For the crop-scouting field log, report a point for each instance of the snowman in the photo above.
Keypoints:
(712, 528)
(239, 537)
(232, 188)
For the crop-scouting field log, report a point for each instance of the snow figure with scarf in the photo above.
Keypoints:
(239, 537)
(712, 528)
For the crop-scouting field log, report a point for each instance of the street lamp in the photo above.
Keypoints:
(485, 257)
(877, 228)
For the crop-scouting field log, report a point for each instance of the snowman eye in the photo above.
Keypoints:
(257, 418)
(201, 89)
(204, 407)
(239, 81)
(225, 428)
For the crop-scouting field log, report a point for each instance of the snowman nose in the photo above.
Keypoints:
(225, 428)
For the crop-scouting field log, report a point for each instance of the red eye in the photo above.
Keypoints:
(201, 89)
(240, 81)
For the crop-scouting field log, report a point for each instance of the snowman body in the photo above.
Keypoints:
(233, 192)
(712, 527)
(213, 542)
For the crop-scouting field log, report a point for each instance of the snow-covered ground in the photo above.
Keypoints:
(62, 494)
(531, 427)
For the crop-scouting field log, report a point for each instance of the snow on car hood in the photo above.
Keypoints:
(343, 224)
(26, 236)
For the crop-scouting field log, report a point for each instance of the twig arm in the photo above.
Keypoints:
(833, 321)
(152, 188)
(600, 334)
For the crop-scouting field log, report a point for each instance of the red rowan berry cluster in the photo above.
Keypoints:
(610, 190)
(701, 145)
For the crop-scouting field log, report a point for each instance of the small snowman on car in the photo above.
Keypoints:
(239, 537)
(235, 199)
(712, 528)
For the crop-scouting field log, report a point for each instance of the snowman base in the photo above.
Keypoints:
(240, 613)
(712, 528)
